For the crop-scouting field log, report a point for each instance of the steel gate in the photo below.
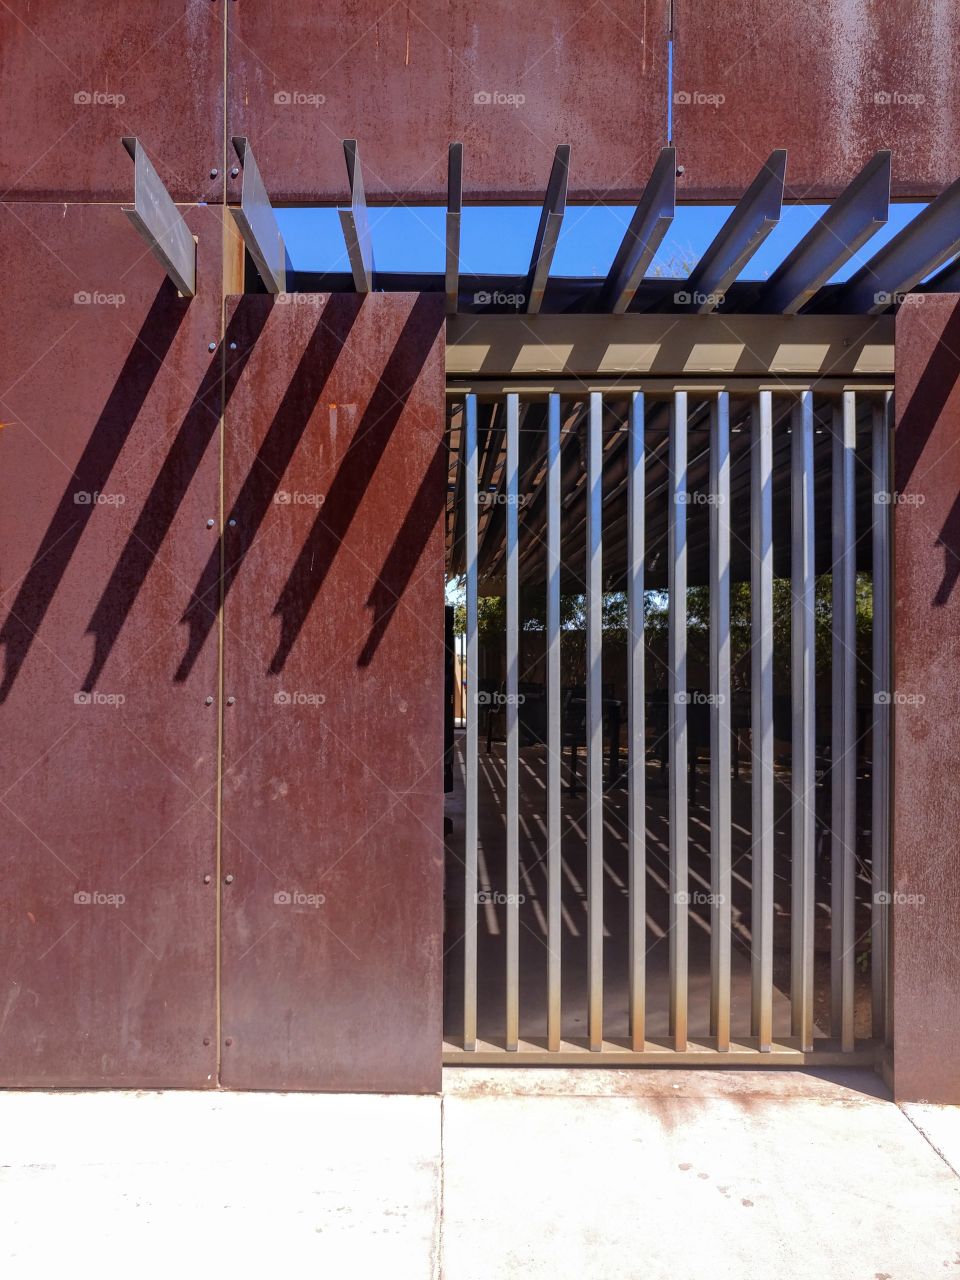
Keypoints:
(738, 536)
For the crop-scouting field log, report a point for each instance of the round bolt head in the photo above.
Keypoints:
(208, 700)
(211, 522)
(233, 346)
(232, 522)
(228, 879)
(207, 879)
(214, 172)
(206, 1039)
(234, 172)
(228, 1042)
(230, 701)
(211, 346)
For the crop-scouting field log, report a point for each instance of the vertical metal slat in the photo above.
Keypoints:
(472, 711)
(882, 695)
(761, 610)
(843, 753)
(554, 738)
(594, 724)
(720, 711)
(513, 723)
(677, 718)
(636, 798)
(803, 754)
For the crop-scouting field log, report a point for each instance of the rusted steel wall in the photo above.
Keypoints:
(109, 405)
(830, 81)
(73, 79)
(926, 859)
(509, 80)
(335, 477)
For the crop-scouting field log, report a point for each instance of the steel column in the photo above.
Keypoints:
(803, 756)
(554, 736)
(720, 709)
(636, 798)
(472, 708)
(594, 722)
(511, 488)
(761, 785)
(844, 748)
(677, 718)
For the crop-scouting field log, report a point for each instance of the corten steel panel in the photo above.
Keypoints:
(408, 79)
(926, 813)
(335, 472)
(108, 474)
(75, 78)
(832, 82)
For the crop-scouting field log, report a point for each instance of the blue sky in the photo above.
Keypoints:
(500, 239)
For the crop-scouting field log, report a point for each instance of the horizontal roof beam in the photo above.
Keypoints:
(857, 213)
(548, 232)
(755, 216)
(924, 244)
(257, 223)
(454, 211)
(646, 344)
(651, 220)
(355, 223)
(160, 223)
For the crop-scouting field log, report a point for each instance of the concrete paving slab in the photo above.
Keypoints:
(940, 1126)
(245, 1184)
(686, 1175)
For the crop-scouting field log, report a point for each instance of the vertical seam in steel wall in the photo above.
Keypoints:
(224, 282)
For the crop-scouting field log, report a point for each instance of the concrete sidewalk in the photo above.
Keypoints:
(597, 1175)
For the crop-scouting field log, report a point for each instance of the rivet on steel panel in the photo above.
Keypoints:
(208, 700)
(228, 879)
(211, 346)
(211, 523)
(230, 701)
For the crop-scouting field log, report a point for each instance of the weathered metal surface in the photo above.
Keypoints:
(926, 807)
(511, 81)
(833, 81)
(160, 223)
(333, 748)
(73, 80)
(109, 404)
(355, 222)
(257, 222)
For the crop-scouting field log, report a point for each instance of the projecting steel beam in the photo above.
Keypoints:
(548, 232)
(355, 224)
(257, 223)
(861, 210)
(454, 209)
(651, 219)
(160, 222)
(755, 216)
(924, 244)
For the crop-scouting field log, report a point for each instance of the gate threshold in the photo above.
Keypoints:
(659, 1053)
